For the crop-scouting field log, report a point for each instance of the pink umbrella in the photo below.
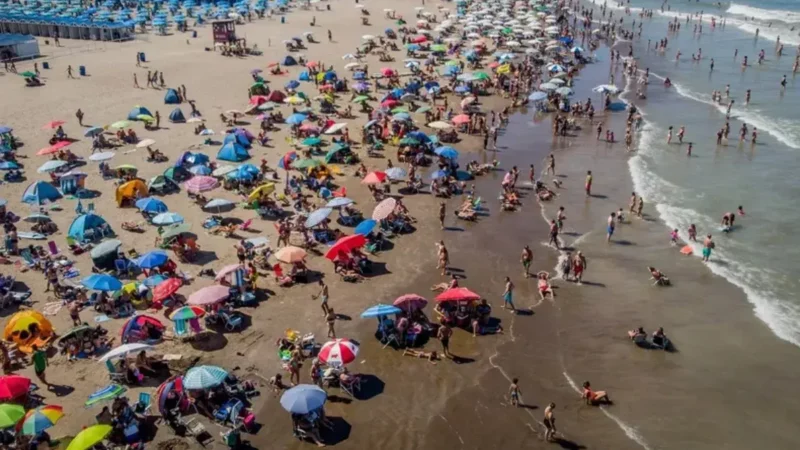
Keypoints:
(387, 72)
(209, 295)
(460, 119)
(338, 352)
(410, 302)
(384, 209)
(309, 127)
(201, 183)
(227, 270)
(376, 177)
(389, 103)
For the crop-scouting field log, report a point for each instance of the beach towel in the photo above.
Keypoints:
(102, 318)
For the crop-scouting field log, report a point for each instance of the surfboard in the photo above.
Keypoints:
(31, 235)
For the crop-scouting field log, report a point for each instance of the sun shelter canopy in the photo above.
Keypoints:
(132, 331)
(40, 192)
(85, 224)
(171, 97)
(131, 189)
(177, 116)
(233, 152)
(138, 111)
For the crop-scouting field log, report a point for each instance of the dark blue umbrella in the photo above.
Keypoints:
(151, 205)
(154, 258)
(365, 227)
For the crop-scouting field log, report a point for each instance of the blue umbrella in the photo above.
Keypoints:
(167, 218)
(303, 398)
(200, 170)
(447, 152)
(8, 165)
(92, 132)
(4, 129)
(102, 282)
(396, 173)
(365, 227)
(295, 119)
(153, 280)
(316, 217)
(461, 89)
(151, 205)
(339, 202)
(154, 258)
(537, 96)
(293, 84)
(380, 310)
(438, 174)
(359, 76)
(401, 116)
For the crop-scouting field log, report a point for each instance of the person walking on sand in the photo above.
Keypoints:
(138, 60)
(158, 119)
(323, 296)
(69, 72)
(444, 334)
(514, 392)
(551, 165)
(588, 185)
(442, 213)
(330, 36)
(527, 257)
(161, 79)
(149, 78)
(39, 358)
(508, 296)
(549, 423)
(610, 227)
(331, 319)
(79, 116)
(442, 257)
(135, 82)
(708, 245)
(554, 234)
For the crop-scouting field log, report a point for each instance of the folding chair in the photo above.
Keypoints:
(143, 406)
(113, 374)
(232, 321)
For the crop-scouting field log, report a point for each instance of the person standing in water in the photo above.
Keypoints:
(632, 203)
(588, 185)
(549, 422)
(708, 245)
(514, 392)
(527, 257)
(551, 165)
(508, 296)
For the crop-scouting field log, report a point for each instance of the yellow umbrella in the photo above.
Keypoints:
(505, 68)
(89, 437)
(294, 100)
(264, 189)
(145, 118)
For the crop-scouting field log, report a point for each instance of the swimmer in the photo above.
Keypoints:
(740, 210)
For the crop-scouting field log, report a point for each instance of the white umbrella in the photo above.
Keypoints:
(349, 56)
(440, 125)
(556, 81)
(222, 171)
(104, 156)
(145, 143)
(124, 350)
(335, 128)
(195, 120)
(351, 66)
(368, 37)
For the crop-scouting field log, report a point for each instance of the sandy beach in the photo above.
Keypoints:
(724, 386)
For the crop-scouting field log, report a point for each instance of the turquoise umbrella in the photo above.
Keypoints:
(204, 377)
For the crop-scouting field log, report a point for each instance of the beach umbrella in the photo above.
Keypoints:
(295, 119)
(384, 208)
(396, 173)
(8, 165)
(124, 350)
(360, 99)
(166, 288)
(204, 377)
(439, 125)
(335, 128)
(109, 392)
(207, 132)
(201, 183)
(365, 227)
(410, 302)
(380, 310)
(548, 87)
(151, 259)
(53, 148)
(167, 218)
(51, 166)
(218, 204)
(565, 91)
(103, 156)
(101, 282)
(338, 352)
(460, 119)
(187, 313)
(223, 170)
(303, 398)
(610, 88)
(557, 81)
(200, 169)
(290, 254)
(145, 143)
(151, 205)
(537, 96)
(457, 294)
(346, 245)
(306, 163)
(447, 152)
(153, 280)
(27, 74)
(120, 124)
(376, 177)
(312, 141)
(13, 386)
(317, 217)
(10, 414)
(292, 84)
(5, 129)
(424, 109)
(210, 295)
(93, 131)
(338, 202)
(89, 437)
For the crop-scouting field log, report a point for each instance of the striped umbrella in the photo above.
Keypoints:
(204, 377)
(384, 209)
(187, 313)
(40, 419)
(338, 352)
(109, 392)
(201, 183)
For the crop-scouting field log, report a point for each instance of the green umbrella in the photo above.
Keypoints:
(409, 141)
(452, 62)
(360, 99)
(506, 30)
(329, 156)
(27, 74)
(145, 118)
(175, 230)
(480, 76)
(120, 124)
(259, 84)
(438, 48)
(306, 163)
(312, 141)
(424, 109)
(399, 110)
(90, 437)
(268, 106)
(10, 414)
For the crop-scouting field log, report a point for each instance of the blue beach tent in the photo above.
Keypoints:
(39, 193)
(171, 97)
(84, 223)
(232, 152)
(176, 116)
(137, 111)
(289, 61)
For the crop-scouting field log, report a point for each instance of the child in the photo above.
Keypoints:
(692, 233)
(673, 237)
(740, 210)
(620, 217)
(514, 392)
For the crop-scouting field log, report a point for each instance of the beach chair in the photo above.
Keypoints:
(246, 225)
(198, 430)
(231, 321)
(352, 386)
(116, 377)
(142, 407)
(53, 248)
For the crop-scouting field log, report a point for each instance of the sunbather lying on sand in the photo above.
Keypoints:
(432, 357)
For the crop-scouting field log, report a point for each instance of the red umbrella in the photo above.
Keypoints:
(460, 119)
(419, 39)
(387, 72)
(166, 288)
(376, 177)
(494, 64)
(312, 64)
(258, 99)
(457, 295)
(272, 64)
(389, 103)
(326, 87)
(52, 125)
(338, 352)
(346, 244)
(13, 386)
(54, 148)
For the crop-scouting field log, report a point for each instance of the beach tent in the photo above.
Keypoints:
(276, 97)
(289, 61)
(105, 253)
(132, 330)
(171, 97)
(138, 111)
(236, 138)
(40, 192)
(178, 174)
(191, 159)
(160, 183)
(131, 189)
(232, 152)
(244, 172)
(85, 224)
(176, 116)
(304, 76)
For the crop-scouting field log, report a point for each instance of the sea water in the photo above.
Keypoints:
(761, 253)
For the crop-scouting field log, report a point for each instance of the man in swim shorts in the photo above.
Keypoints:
(549, 422)
(508, 296)
(708, 245)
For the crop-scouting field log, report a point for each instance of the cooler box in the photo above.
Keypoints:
(45, 65)
(82, 71)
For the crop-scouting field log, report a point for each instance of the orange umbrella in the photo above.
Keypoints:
(166, 288)
(290, 254)
(346, 244)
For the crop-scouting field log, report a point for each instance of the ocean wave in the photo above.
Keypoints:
(787, 36)
(780, 315)
(768, 15)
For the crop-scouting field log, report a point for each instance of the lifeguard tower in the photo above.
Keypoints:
(224, 31)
